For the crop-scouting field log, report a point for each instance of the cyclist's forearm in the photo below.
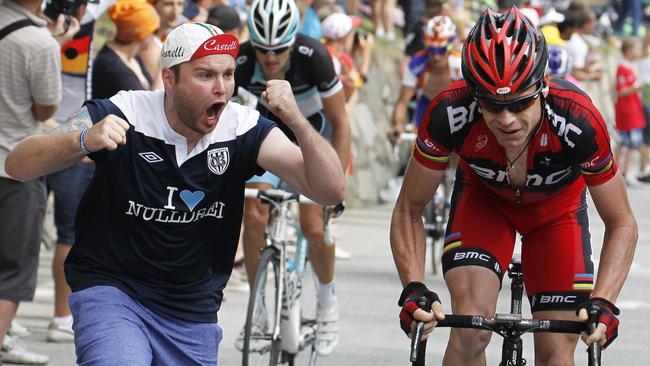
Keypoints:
(615, 260)
(399, 114)
(341, 141)
(407, 244)
(43, 154)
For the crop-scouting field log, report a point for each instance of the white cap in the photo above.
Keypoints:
(551, 16)
(532, 15)
(337, 25)
(190, 41)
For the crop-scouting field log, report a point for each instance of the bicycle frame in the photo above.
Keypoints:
(293, 334)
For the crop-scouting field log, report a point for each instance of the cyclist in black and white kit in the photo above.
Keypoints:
(277, 51)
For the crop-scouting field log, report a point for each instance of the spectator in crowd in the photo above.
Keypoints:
(586, 66)
(118, 65)
(631, 8)
(339, 32)
(309, 21)
(171, 15)
(630, 119)
(413, 11)
(227, 19)
(548, 24)
(30, 69)
(382, 16)
(643, 71)
(559, 64)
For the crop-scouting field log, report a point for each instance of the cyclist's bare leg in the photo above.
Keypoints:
(256, 216)
(61, 288)
(321, 255)
(474, 290)
(555, 348)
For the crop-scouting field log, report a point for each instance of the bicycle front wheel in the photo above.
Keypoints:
(259, 347)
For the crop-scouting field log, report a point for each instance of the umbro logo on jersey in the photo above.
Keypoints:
(218, 160)
(150, 157)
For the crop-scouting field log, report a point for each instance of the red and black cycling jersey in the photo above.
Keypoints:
(570, 148)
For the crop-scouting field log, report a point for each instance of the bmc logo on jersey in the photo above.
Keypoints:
(565, 129)
(459, 116)
(218, 160)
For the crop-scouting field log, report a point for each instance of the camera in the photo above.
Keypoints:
(360, 33)
(54, 8)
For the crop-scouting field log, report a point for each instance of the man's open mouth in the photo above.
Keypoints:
(213, 110)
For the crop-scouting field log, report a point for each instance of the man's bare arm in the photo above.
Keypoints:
(61, 148)
(314, 168)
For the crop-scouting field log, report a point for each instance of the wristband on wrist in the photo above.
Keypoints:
(82, 137)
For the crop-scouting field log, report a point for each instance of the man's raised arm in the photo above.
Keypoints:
(314, 168)
(64, 146)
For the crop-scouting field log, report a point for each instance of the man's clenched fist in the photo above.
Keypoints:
(107, 134)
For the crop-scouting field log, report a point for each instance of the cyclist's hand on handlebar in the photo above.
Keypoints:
(607, 329)
(336, 210)
(393, 134)
(413, 294)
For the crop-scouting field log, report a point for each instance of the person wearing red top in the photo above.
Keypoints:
(630, 119)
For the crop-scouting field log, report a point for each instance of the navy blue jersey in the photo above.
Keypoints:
(159, 222)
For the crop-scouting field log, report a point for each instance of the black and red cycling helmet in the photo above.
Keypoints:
(503, 53)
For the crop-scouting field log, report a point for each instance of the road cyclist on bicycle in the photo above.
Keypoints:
(429, 72)
(530, 148)
(277, 51)
(157, 229)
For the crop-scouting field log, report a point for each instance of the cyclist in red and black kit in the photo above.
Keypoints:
(530, 148)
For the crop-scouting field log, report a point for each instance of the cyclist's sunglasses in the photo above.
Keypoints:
(276, 51)
(514, 106)
(440, 50)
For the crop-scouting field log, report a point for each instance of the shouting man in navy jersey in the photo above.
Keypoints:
(158, 226)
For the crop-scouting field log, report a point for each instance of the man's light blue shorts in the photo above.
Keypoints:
(111, 329)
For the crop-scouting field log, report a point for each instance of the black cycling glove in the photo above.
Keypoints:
(414, 293)
(606, 314)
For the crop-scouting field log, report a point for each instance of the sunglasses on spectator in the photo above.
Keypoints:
(276, 51)
(514, 106)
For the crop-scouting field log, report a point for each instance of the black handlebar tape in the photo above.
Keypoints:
(594, 348)
(418, 346)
